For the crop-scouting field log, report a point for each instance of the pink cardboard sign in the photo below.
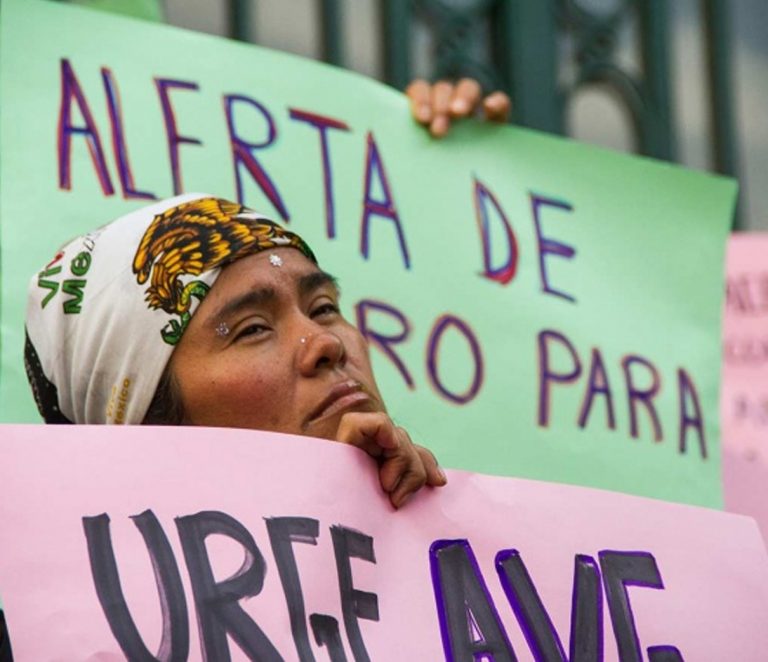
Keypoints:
(744, 401)
(192, 543)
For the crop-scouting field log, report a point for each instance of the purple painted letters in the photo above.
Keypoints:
(374, 167)
(505, 272)
(322, 124)
(242, 153)
(164, 86)
(118, 138)
(71, 91)
(550, 246)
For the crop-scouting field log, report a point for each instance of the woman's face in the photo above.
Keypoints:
(268, 349)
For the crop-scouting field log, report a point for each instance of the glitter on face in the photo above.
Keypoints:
(275, 260)
(222, 329)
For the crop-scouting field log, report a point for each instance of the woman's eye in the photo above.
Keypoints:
(252, 330)
(325, 309)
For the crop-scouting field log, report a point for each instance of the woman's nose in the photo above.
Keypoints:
(320, 349)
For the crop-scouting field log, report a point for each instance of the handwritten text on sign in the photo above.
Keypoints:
(642, 380)
(744, 407)
(469, 621)
(474, 569)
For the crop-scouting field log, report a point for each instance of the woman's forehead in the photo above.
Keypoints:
(284, 270)
(278, 264)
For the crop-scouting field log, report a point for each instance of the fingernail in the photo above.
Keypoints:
(439, 126)
(423, 113)
(460, 106)
(442, 475)
(403, 500)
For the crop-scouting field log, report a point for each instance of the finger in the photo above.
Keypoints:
(435, 475)
(419, 92)
(396, 464)
(439, 126)
(466, 96)
(411, 482)
(399, 462)
(393, 469)
(496, 107)
(442, 91)
(405, 473)
(374, 432)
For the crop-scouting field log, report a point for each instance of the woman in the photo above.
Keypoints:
(198, 311)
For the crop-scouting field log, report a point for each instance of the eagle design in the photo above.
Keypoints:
(195, 237)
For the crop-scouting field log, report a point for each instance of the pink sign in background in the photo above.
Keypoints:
(669, 581)
(744, 401)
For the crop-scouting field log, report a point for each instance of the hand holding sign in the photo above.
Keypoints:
(404, 467)
(436, 105)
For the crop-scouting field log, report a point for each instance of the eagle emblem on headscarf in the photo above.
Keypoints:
(195, 237)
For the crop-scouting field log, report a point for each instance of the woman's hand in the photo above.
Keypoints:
(436, 105)
(404, 467)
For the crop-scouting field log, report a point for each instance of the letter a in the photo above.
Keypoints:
(71, 91)
(469, 624)
(687, 394)
(384, 207)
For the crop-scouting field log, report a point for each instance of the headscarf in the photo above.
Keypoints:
(104, 315)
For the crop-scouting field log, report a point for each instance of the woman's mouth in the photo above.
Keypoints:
(346, 395)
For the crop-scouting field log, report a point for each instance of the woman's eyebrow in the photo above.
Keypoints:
(250, 299)
(255, 298)
(314, 281)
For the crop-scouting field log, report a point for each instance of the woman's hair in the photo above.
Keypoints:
(167, 406)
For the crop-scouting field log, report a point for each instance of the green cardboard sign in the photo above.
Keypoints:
(146, 9)
(535, 307)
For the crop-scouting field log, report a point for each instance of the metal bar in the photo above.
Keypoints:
(240, 20)
(396, 23)
(331, 21)
(717, 25)
(658, 137)
(525, 49)
(718, 34)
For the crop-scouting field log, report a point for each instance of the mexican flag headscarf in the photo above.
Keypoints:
(104, 315)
